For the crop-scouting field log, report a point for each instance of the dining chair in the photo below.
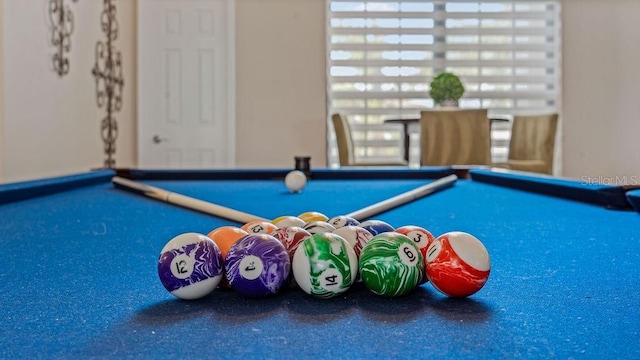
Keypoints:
(346, 152)
(455, 137)
(532, 143)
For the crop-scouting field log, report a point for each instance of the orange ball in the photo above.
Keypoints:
(225, 237)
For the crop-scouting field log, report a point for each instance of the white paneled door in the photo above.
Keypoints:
(185, 69)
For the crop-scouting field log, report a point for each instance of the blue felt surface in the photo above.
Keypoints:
(78, 279)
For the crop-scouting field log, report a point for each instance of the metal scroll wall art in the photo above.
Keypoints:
(61, 20)
(107, 72)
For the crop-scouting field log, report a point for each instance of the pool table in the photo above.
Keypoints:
(79, 271)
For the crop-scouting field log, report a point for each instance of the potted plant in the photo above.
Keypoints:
(446, 89)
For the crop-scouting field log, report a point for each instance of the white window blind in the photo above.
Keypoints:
(382, 56)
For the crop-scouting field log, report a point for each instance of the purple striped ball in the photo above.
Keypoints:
(190, 266)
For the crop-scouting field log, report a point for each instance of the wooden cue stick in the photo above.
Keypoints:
(404, 198)
(184, 201)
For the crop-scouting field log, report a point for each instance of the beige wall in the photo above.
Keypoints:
(601, 88)
(51, 125)
(280, 73)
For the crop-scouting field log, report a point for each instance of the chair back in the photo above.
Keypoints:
(344, 140)
(533, 139)
(455, 137)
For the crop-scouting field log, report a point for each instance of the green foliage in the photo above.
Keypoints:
(446, 86)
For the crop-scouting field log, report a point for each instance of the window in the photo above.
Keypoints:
(382, 56)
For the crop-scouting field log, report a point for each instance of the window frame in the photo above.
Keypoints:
(537, 92)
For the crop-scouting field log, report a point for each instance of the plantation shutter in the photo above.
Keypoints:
(382, 56)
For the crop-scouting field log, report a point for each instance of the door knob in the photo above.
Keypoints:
(157, 139)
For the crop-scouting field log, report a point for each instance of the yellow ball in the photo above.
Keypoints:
(287, 221)
(311, 216)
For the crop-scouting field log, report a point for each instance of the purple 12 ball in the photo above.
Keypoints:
(257, 265)
(190, 266)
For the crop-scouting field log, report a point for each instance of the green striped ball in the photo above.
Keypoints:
(391, 265)
(324, 265)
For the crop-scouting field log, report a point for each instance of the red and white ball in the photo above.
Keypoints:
(421, 237)
(458, 264)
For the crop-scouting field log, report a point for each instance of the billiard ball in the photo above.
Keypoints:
(458, 264)
(376, 227)
(287, 221)
(259, 227)
(343, 220)
(225, 237)
(316, 227)
(324, 265)
(291, 237)
(421, 237)
(356, 236)
(257, 265)
(391, 265)
(311, 216)
(295, 181)
(190, 266)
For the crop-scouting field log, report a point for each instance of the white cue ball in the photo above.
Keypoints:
(295, 181)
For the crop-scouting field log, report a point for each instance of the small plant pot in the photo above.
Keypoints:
(449, 104)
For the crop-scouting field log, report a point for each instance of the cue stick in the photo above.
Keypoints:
(404, 198)
(184, 201)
